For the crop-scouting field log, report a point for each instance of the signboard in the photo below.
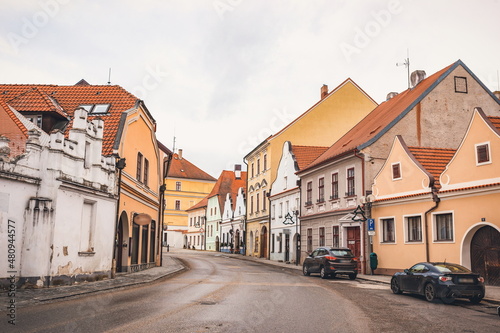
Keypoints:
(371, 233)
(371, 224)
(142, 219)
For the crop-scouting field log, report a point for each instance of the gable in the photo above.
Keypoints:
(414, 179)
(464, 170)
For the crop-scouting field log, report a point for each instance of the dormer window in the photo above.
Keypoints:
(96, 108)
(396, 171)
(483, 153)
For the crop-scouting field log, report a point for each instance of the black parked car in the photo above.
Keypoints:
(330, 262)
(439, 280)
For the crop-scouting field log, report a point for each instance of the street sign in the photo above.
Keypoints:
(371, 233)
(371, 224)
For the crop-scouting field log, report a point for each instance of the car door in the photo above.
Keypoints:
(320, 258)
(313, 266)
(415, 277)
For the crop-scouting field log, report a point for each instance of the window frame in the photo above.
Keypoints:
(383, 234)
(138, 175)
(335, 236)
(321, 234)
(436, 234)
(351, 182)
(308, 193)
(335, 186)
(321, 189)
(488, 153)
(407, 220)
(399, 174)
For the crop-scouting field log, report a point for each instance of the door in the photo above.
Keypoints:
(119, 246)
(354, 242)
(263, 242)
(485, 254)
(287, 247)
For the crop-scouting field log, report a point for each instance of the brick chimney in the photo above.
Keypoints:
(237, 171)
(324, 91)
(179, 153)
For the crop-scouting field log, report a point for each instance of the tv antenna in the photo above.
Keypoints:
(406, 63)
(109, 76)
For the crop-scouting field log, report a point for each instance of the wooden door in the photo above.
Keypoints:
(485, 254)
(354, 242)
(263, 242)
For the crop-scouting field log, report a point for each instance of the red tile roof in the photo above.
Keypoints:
(37, 101)
(182, 168)
(14, 118)
(495, 121)
(70, 97)
(434, 160)
(304, 155)
(228, 183)
(383, 117)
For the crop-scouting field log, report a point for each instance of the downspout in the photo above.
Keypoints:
(365, 232)
(436, 200)
(246, 213)
(268, 194)
(163, 188)
(120, 165)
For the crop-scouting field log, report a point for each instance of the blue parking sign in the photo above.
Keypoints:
(371, 224)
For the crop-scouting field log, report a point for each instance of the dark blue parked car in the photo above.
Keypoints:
(439, 280)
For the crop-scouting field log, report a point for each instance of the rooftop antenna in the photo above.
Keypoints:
(109, 76)
(173, 148)
(406, 63)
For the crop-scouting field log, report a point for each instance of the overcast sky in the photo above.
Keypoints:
(222, 75)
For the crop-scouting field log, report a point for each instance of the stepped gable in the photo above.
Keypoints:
(305, 155)
(434, 160)
(182, 168)
(71, 97)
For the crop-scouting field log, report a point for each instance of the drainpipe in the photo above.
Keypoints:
(365, 232)
(268, 194)
(163, 188)
(436, 200)
(120, 165)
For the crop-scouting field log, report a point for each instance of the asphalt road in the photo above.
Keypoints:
(221, 294)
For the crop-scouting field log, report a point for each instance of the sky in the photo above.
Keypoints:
(222, 75)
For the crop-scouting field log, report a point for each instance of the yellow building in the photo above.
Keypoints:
(185, 186)
(441, 204)
(325, 122)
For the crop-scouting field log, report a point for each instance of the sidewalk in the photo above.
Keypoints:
(26, 297)
(171, 265)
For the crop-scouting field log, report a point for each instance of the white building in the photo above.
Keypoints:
(233, 222)
(57, 204)
(285, 202)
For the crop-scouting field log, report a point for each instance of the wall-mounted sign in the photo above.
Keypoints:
(142, 219)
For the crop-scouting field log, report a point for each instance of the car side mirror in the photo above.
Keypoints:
(407, 271)
(310, 254)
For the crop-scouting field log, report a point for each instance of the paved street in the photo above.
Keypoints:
(223, 293)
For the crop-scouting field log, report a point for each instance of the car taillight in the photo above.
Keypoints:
(480, 279)
(445, 278)
(330, 258)
(354, 259)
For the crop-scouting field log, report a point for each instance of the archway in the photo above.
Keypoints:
(263, 242)
(122, 243)
(485, 254)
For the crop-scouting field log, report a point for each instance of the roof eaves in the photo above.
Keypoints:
(411, 106)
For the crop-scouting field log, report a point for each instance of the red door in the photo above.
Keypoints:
(354, 242)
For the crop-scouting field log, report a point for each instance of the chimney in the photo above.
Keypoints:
(237, 171)
(390, 95)
(416, 77)
(324, 91)
(179, 153)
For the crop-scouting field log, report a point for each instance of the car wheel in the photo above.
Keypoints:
(430, 292)
(395, 286)
(476, 299)
(352, 276)
(322, 273)
(305, 270)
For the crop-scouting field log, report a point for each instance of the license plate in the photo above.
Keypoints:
(465, 280)
(345, 260)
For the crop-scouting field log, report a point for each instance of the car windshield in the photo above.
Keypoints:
(450, 268)
(341, 253)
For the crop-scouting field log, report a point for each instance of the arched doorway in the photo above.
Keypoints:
(263, 242)
(485, 254)
(122, 244)
(217, 244)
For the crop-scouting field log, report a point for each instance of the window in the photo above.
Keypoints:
(273, 211)
(152, 238)
(444, 227)
(396, 171)
(321, 236)
(87, 156)
(309, 193)
(285, 182)
(280, 243)
(281, 210)
(272, 243)
(335, 186)
(264, 198)
(139, 167)
(146, 171)
(144, 244)
(177, 205)
(335, 236)
(388, 235)
(414, 228)
(309, 240)
(253, 174)
(135, 244)
(35, 119)
(483, 153)
(100, 108)
(258, 202)
(265, 163)
(461, 84)
(190, 221)
(251, 204)
(321, 189)
(350, 182)
(87, 228)
(258, 166)
(177, 186)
